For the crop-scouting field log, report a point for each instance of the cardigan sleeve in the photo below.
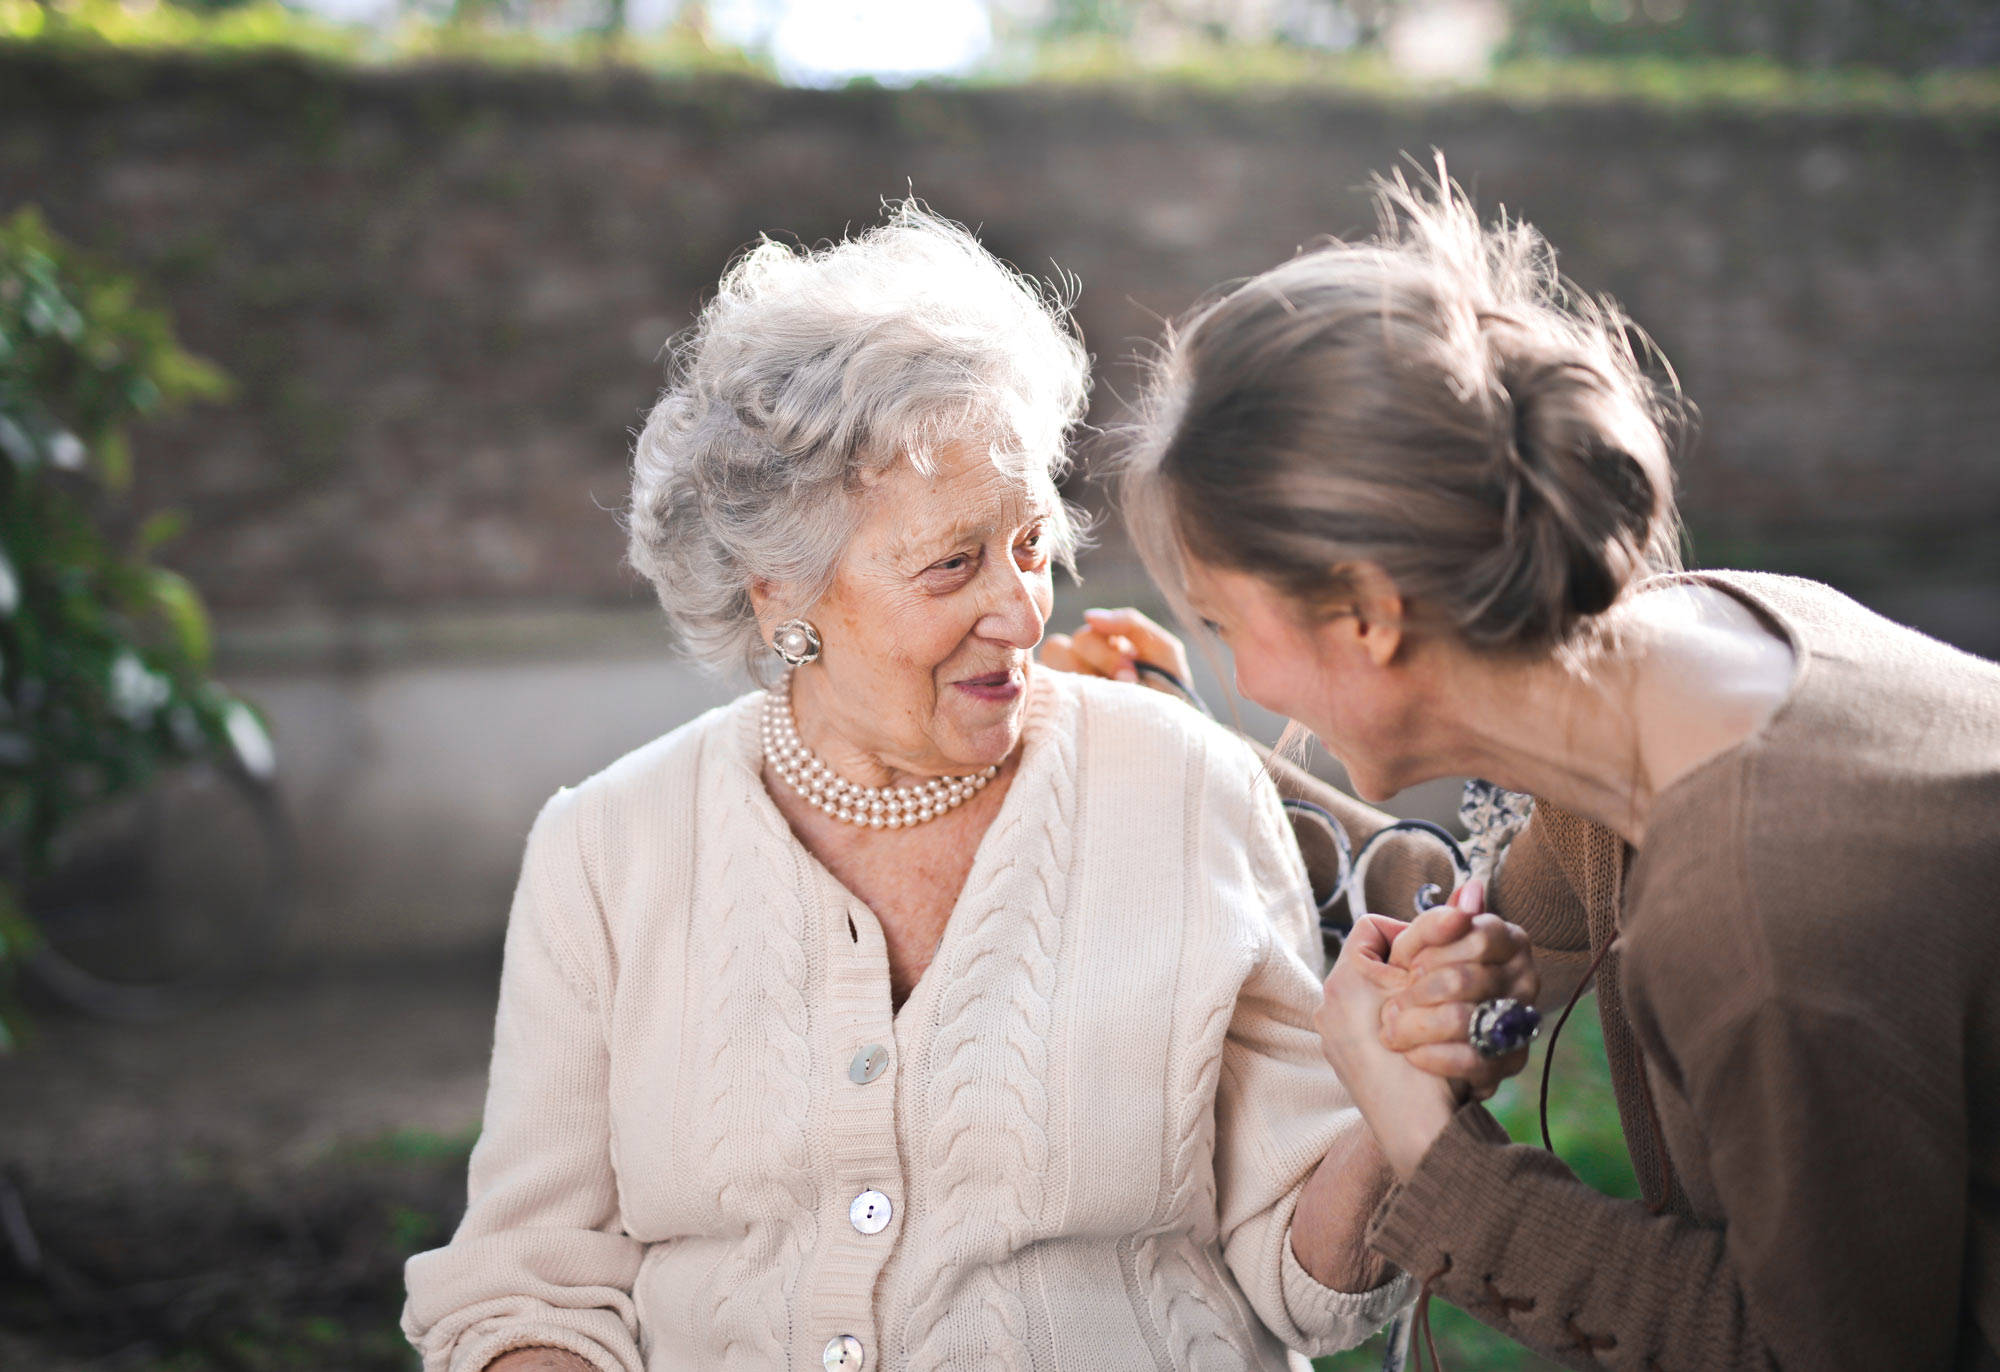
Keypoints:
(1279, 1109)
(540, 1258)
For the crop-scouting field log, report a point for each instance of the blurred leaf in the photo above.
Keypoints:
(136, 691)
(183, 376)
(142, 394)
(114, 460)
(10, 585)
(46, 312)
(18, 935)
(251, 740)
(111, 297)
(16, 443)
(180, 604)
(157, 530)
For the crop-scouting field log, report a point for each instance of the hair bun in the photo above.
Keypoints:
(1436, 402)
(1581, 509)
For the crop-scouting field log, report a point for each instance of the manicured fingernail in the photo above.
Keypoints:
(1129, 675)
(1472, 899)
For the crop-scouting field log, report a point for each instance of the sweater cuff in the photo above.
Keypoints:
(1353, 1316)
(481, 1347)
(1459, 1163)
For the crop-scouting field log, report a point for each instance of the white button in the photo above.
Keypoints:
(870, 1213)
(844, 1354)
(868, 1064)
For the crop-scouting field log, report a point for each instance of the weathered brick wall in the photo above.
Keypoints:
(443, 292)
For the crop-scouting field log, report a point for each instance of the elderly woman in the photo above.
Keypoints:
(925, 1010)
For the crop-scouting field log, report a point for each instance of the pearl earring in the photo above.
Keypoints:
(796, 641)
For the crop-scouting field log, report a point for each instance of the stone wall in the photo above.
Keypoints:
(443, 292)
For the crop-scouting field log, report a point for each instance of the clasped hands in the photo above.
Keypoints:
(1397, 1009)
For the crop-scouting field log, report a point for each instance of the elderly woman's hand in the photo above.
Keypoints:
(1112, 643)
(540, 1360)
(1405, 1106)
(1456, 955)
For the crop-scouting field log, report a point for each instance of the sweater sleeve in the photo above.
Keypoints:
(1279, 1109)
(1531, 890)
(1813, 1271)
(540, 1258)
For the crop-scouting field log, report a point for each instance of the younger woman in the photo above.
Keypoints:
(1423, 495)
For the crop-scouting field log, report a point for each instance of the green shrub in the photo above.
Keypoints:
(220, 29)
(103, 653)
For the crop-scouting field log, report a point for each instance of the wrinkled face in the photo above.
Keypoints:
(1317, 670)
(936, 607)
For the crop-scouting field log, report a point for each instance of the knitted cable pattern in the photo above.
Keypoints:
(1172, 1268)
(988, 1143)
(1171, 1264)
(758, 1059)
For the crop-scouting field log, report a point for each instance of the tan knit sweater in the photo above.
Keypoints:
(1807, 985)
(1098, 1108)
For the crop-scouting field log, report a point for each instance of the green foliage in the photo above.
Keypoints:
(416, 1146)
(103, 653)
(1749, 84)
(473, 31)
(1097, 43)
(1312, 23)
(412, 1229)
(1583, 1116)
(1900, 35)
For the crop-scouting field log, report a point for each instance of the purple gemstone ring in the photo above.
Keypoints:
(1503, 1026)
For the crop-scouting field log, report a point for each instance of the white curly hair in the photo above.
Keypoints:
(811, 369)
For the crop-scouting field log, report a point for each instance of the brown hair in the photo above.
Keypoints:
(1435, 400)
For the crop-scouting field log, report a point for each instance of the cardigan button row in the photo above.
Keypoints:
(869, 1212)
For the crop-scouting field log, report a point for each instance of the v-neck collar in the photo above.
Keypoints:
(1049, 708)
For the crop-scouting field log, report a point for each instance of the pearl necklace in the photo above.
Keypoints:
(872, 807)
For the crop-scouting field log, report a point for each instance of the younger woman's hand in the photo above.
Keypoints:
(1112, 643)
(540, 1360)
(1457, 955)
(1405, 1106)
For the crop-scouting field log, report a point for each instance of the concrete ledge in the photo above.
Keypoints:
(416, 749)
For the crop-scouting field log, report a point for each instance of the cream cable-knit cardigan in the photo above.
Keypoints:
(1101, 1100)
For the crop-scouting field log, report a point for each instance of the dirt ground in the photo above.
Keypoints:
(237, 1190)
